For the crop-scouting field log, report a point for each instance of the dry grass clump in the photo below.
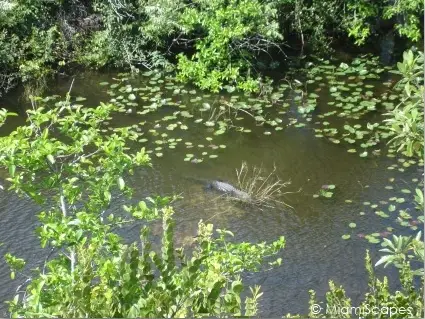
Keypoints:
(265, 189)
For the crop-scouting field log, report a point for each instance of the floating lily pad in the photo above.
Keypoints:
(381, 214)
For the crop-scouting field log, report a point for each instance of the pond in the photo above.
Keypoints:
(347, 189)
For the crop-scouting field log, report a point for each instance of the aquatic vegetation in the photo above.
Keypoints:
(225, 116)
(216, 115)
(180, 108)
(403, 208)
(176, 109)
(402, 249)
(353, 97)
(326, 191)
(264, 189)
(405, 133)
(419, 199)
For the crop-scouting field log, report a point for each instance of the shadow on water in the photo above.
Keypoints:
(314, 251)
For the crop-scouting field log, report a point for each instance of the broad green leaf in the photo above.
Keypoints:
(51, 159)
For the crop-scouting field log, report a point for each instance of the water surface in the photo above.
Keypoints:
(314, 253)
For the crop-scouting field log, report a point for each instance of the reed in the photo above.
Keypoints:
(264, 189)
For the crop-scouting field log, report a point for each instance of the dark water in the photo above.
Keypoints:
(314, 253)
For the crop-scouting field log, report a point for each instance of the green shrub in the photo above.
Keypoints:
(216, 42)
(407, 119)
(229, 35)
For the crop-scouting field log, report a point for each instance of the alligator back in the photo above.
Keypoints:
(228, 189)
(222, 186)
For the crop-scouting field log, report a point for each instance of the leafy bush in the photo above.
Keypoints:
(407, 119)
(363, 17)
(127, 38)
(216, 42)
(409, 15)
(44, 36)
(229, 34)
(402, 250)
(9, 53)
(112, 279)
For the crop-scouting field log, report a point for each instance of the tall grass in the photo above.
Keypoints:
(265, 189)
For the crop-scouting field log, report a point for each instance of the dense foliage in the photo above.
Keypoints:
(407, 119)
(232, 33)
(215, 42)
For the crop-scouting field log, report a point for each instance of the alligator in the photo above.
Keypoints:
(225, 188)
(228, 189)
